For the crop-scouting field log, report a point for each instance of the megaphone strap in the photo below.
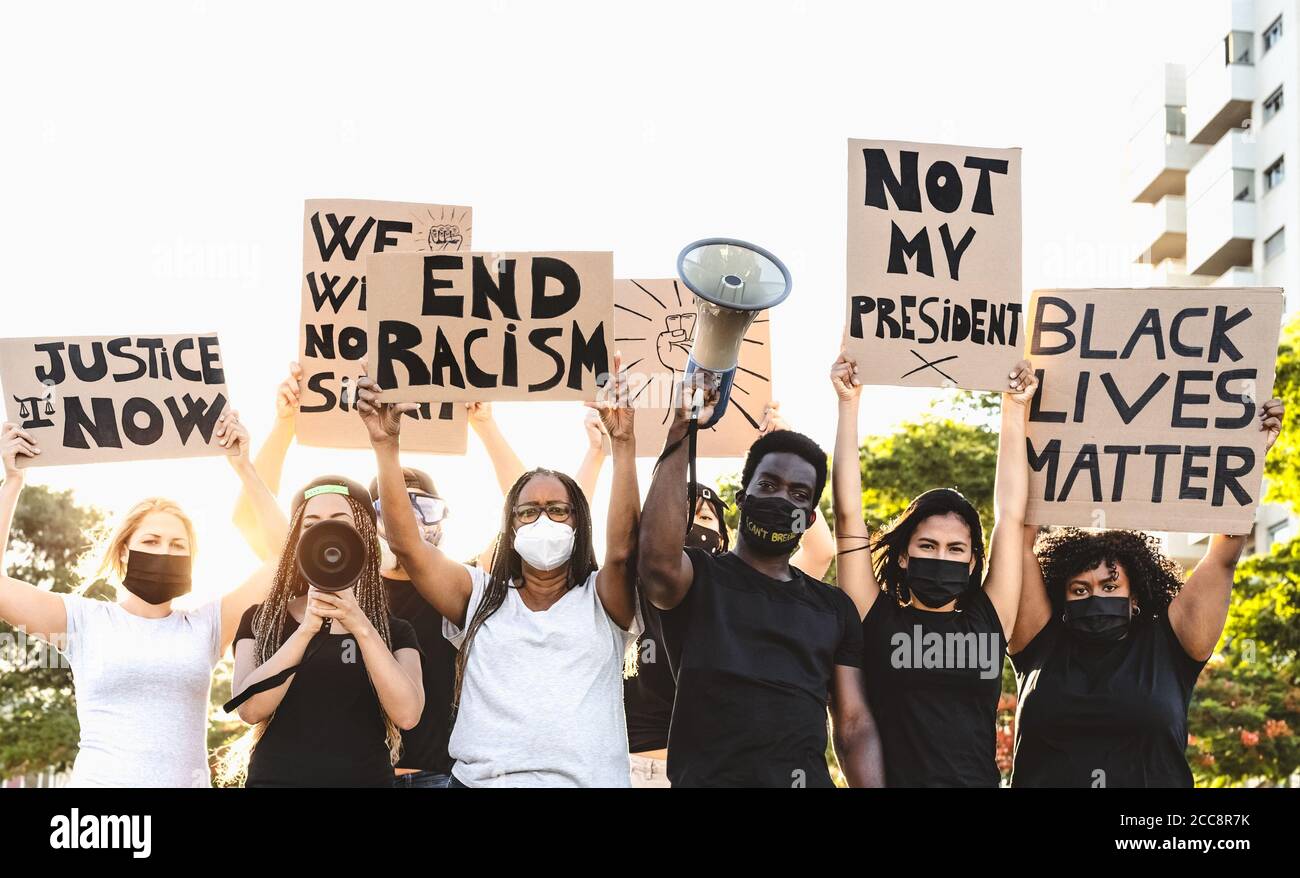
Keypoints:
(278, 678)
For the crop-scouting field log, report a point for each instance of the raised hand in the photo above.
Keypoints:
(595, 429)
(702, 384)
(287, 395)
(232, 435)
(772, 419)
(614, 404)
(342, 607)
(1022, 384)
(1270, 419)
(844, 378)
(383, 420)
(15, 442)
(479, 413)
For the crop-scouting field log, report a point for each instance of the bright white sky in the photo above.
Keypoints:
(157, 156)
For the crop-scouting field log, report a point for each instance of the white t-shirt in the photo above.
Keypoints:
(142, 693)
(541, 704)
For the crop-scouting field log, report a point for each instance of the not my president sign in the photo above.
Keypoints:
(1147, 416)
(934, 289)
(91, 399)
(490, 326)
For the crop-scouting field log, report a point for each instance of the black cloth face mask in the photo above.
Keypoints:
(1099, 618)
(935, 581)
(771, 525)
(157, 579)
(706, 538)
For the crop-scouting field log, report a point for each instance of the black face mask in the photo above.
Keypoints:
(934, 581)
(157, 579)
(1099, 618)
(706, 538)
(771, 525)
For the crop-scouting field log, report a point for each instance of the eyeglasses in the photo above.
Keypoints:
(530, 512)
(430, 510)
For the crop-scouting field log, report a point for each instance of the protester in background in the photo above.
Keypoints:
(541, 632)
(923, 583)
(648, 694)
(141, 668)
(335, 721)
(1107, 647)
(759, 647)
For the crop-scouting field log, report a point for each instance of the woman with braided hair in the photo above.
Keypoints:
(1108, 643)
(335, 721)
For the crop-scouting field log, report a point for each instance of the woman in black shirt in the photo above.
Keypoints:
(335, 721)
(933, 641)
(1107, 647)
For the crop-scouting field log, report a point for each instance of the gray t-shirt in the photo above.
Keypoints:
(541, 704)
(142, 693)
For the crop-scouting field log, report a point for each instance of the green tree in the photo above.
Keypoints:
(38, 719)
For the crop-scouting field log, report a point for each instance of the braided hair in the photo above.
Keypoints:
(271, 616)
(507, 567)
(1154, 578)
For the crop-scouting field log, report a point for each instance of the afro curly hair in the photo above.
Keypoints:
(1154, 578)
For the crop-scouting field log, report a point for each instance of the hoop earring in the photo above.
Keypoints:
(1137, 610)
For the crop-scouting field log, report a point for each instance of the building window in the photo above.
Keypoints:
(1175, 121)
(1274, 174)
(1243, 184)
(1273, 104)
(1274, 245)
(1273, 33)
(1236, 47)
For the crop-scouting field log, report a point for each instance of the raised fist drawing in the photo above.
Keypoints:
(444, 237)
(673, 345)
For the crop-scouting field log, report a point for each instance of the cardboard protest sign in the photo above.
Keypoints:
(654, 327)
(933, 264)
(490, 326)
(91, 399)
(1147, 416)
(338, 235)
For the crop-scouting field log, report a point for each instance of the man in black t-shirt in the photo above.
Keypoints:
(424, 761)
(759, 648)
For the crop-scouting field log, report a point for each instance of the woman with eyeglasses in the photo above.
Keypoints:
(541, 633)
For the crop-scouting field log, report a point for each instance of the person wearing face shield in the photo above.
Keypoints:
(759, 647)
(541, 633)
(934, 620)
(1108, 645)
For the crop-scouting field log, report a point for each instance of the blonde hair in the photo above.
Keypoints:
(104, 560)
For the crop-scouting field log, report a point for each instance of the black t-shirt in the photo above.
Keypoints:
(425, 746)
(329, 729)
(1116, 708)
(648, 696)
(933, 681)
(754, 659)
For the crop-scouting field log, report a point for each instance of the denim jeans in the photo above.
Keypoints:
(422, 780)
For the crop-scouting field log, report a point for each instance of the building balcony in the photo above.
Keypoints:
(1158, 161)
(1221, 207)
(1174, 273)
(1221, 88)
(1236, 277)
(1160, 230)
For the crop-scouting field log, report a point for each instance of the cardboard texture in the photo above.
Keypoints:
(1164, 387)
(654, 323)
(933, 271)
(490, 326)
(338, 235)
(95, 399)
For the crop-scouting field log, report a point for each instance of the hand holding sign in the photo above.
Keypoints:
(383, 420)
(844, 378)
(614, 405)
(232, 435)
(1023, 384)
(287, 396)
(14, 441)
(1270, 417)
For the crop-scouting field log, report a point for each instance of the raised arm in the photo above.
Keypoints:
(443, 582)
(38, 612)
(852, 537)
(616, 581)
(1197, 614)
(856, 737)
(1035, 608)
(1003, 581)
(663, 568)
(249, 518)
(269, 518)
(505, 463)
(589, 470)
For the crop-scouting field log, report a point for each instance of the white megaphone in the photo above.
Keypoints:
(732, 281)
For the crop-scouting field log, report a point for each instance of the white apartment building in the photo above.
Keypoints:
(1214, 176)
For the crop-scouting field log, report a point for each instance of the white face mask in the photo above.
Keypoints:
(544, 544)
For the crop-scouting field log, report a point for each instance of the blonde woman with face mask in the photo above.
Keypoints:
(141, 668)
(542, 633)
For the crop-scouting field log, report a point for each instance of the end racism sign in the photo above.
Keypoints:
(338, 235)
(490, 326)
(1147, 416)
(91, 399)
(934, 290)
(654, 322)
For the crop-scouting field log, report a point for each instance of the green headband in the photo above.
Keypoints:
(324, 489)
